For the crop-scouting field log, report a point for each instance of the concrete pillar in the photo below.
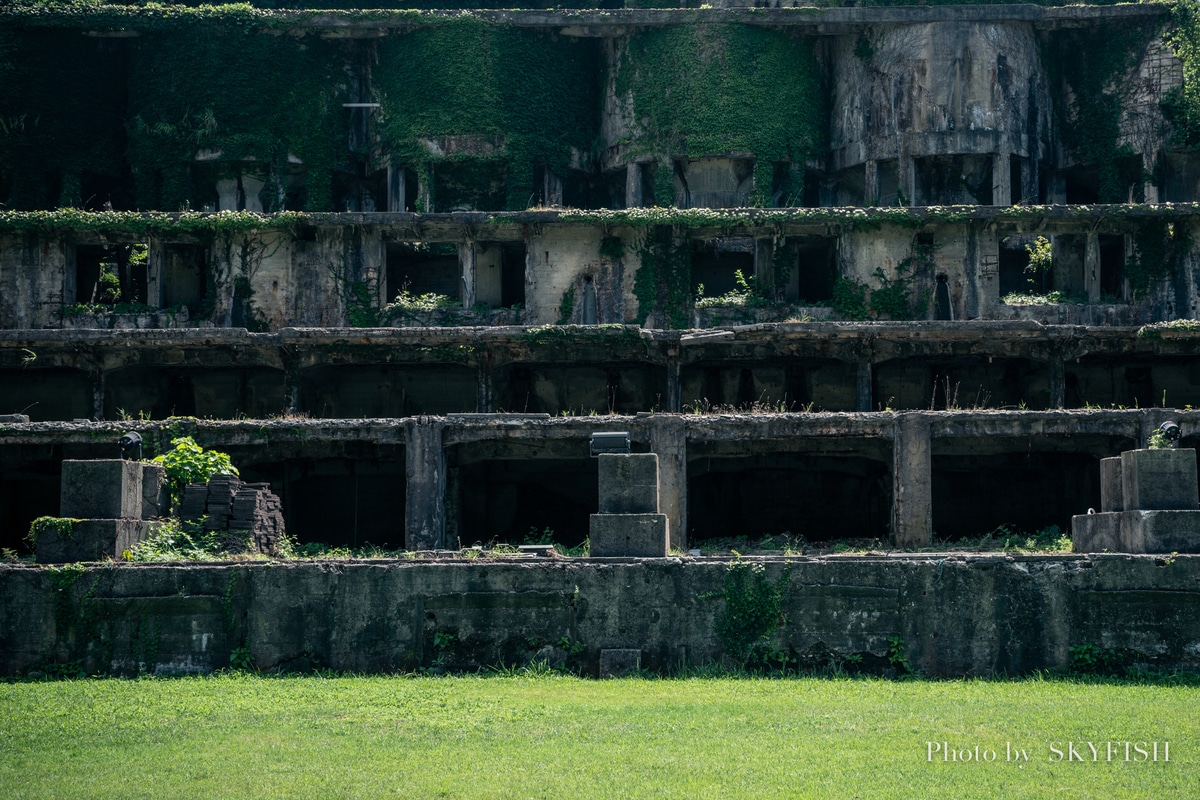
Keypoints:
(156, 259)
(1149, 188)
(871, 183)
(98, 394)
(865, 399)
(396, 188)
(674, 381)
(1001, 179)
(1058, 383)
(907, 168)
(252, 187)
(227, 194)
(484, 389)
(633, 185)
(425, 198)
(425, 471)
(467, 260)
(912, 482)
(1091, 267)
(668, 439)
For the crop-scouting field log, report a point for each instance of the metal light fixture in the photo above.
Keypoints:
(131, 446)
(614, 442)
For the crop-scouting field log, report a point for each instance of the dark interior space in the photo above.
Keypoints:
(1112, 269)
(789, 385)
(215, 392)
(510, 500)
(184, 276)
(848, 188)
(714, 262)
(346, 502)
(1129, 382)
(614, 388)
(387, 390)
(947, 180)
(28, 490)
(816, 268)
(593, 190)
(110, 274)
(423, 268)
(512, 274)
(1085, 184)
(818, 496)
(937, 383)
(1016, 193)
(1013, 260)
(1029, 488)
(469, 185)
(46, 393)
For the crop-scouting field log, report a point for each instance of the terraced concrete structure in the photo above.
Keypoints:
(862, 354)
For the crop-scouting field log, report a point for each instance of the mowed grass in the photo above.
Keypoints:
(242, 736)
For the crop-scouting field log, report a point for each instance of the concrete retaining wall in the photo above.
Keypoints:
(955, 615)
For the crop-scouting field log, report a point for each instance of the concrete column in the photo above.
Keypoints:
(907, 168)
(98, 394)
(396, 188)
(1001, 179)
(633, 185)
(674, 382)
(1149, 188)
(871, 183)
(865, 398)
(156, 260)
(425, 198)
(912, 482)
(467, 261)
(484, 388)
(425, 471)
(668, 440)
(1091, 267)
(1058, 383)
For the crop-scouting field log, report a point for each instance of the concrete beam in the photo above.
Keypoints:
(668, 438)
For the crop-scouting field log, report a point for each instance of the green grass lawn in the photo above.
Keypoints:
(242, 736)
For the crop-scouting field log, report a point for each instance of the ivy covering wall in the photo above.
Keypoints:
(61, 100)
(243, 92)
(535, 93)
(713, 89)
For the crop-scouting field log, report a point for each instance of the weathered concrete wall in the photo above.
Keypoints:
(32, 281)
(955, 615)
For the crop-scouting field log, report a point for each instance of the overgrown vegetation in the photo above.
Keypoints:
(753, 612)
(524, 93)
(705, 89)
(188, 462)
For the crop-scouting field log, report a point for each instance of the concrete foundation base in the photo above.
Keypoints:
(90, 540)
(1137, 532)
(629, 535)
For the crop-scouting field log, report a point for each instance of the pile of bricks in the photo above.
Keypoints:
(228, 504)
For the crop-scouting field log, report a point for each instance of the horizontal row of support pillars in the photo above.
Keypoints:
(425, 511)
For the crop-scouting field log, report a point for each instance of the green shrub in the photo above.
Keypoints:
(191, 463)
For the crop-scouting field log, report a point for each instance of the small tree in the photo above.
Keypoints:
(1041, 262)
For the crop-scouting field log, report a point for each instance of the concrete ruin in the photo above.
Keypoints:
(899, 296)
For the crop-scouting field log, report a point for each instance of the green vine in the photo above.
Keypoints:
(62, 527)
(522, 94)
(752, 614)
(707, 89)
(663, 282)
(1093, 62)
(1159, 248)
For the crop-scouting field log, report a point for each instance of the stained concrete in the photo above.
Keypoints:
(955, 614)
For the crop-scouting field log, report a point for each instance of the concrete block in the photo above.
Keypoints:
(1160, 531)
(109, 488)
(1159, 480)
(629, 535)
(617, 663)
(1096, 533)
(90, 540)
(1112, 486)
(628, 483)
(156, 498)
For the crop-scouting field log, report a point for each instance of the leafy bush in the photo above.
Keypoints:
(191, 463)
